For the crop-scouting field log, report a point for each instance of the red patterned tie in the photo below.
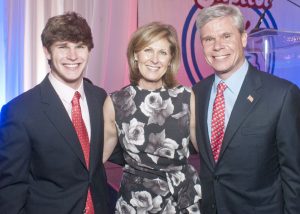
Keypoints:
(218, 121)
(84, 141)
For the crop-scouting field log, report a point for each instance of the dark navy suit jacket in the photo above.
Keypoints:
(42, 167)
(258, 171)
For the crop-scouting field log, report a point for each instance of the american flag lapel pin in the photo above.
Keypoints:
(250, 98)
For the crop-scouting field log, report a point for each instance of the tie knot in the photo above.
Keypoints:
(76, 98)
(221, 87)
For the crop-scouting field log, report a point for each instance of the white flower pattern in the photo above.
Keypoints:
(123, 101)
(144, 202)
(156, 108)
(177, 178)
(157, 185)
(153, 130)
(161, 146)
(122, 207)
(170, 208)
(173, 92)
(134, 134)
(184, 152)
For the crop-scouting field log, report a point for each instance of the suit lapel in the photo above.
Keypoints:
(246, 100)
(205, 151)
(56, 113)
(94, 112)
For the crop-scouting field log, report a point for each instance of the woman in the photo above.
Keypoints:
(151, 120)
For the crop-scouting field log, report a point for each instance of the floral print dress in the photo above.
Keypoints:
(153, 129)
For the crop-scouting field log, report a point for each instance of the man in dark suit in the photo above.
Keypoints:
(48, 164)
(247, 126)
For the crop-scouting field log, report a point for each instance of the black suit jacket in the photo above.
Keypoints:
(258, 171)
(42, 167)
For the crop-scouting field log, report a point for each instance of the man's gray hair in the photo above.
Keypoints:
(221, 10)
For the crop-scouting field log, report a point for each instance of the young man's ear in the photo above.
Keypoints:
(47, 53)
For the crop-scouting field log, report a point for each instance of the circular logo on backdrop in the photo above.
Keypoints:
(193, 59)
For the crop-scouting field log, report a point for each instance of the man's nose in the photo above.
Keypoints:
(72, 54)
(218, 44)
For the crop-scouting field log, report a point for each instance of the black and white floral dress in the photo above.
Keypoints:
(153, 129)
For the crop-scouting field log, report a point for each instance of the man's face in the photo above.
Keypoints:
(223, 46)
(68, 61)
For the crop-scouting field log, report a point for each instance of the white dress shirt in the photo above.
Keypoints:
(66, 94)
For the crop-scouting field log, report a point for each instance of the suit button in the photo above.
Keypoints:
(217, 178)
(213, 206)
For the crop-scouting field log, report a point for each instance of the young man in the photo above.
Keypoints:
(51, 137)
(247, 126)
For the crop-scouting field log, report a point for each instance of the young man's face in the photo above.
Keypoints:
(68, 61)
(223, 46)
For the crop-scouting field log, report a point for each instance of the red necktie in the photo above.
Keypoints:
(218, 121)
(83, 137)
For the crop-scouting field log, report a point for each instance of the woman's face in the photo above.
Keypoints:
(153, 62)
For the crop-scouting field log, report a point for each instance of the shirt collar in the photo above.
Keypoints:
(235, 81)
(65, 92)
